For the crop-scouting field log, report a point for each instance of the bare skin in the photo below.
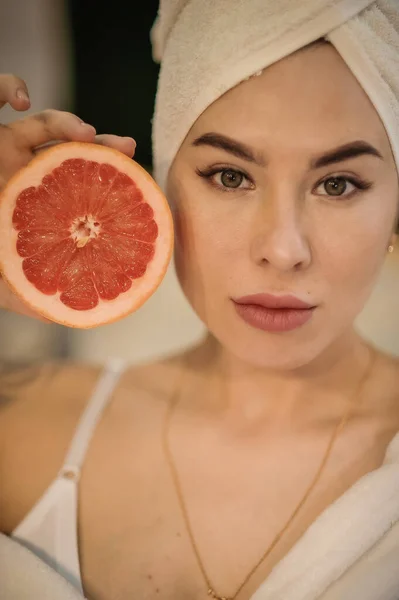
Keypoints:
(133, 542)
(247, 435)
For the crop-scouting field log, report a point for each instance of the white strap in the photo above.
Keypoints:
(92, 414)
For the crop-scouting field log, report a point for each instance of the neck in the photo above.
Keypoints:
(250, 396)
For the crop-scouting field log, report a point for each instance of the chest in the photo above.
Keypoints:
(134, 541)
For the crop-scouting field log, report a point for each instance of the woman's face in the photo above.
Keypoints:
(265, 202)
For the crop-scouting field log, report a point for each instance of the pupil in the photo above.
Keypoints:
(336, 186)
(231, 179)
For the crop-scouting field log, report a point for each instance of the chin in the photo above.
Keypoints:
(269, 357)
(287, 351)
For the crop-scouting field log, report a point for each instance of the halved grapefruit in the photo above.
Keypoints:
(86, 234)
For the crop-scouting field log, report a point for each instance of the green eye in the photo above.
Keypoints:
(227, 179)
(335, 186)
(341, 186)
(231, 179)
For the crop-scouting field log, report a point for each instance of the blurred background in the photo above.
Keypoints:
(94, 59)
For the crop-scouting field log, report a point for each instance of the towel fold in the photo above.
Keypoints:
(351, 551)
(206, 47)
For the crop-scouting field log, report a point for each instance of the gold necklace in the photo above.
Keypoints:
(178, 488)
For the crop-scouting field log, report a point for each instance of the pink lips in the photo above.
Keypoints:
(273, 313)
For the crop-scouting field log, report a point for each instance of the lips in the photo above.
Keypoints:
(270, 301)
(275, 314)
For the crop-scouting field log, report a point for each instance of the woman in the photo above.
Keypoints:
(263, 463)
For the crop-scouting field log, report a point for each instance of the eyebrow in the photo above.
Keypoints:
(240, 150)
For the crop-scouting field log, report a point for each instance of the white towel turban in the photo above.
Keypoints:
(206, 47)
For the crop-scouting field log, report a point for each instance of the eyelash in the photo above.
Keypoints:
(207, 174)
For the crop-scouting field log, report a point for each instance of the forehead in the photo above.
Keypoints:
(310, 96)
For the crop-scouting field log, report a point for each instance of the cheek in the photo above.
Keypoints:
(201, 241)
(351, 275)
(353, 249)
(208, 243)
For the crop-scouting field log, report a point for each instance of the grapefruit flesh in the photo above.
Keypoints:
(86, 234)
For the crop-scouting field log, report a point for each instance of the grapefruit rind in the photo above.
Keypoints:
(51, 307)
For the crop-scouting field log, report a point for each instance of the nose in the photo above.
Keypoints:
(279, 233)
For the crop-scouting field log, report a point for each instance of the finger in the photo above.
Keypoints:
(127, 145)
(14, 91)
(51, 125)
(47, 146)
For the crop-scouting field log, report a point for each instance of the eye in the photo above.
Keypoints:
(226, 179)
(230, 179)
(340, 186)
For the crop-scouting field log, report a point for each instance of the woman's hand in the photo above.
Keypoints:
(22, 139)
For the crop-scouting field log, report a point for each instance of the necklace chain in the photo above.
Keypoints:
(183, 507)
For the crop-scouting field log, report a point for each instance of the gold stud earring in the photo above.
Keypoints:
(390, 248)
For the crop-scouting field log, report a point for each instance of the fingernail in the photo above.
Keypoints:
(130, 140)
(87, 125)
(22, 95)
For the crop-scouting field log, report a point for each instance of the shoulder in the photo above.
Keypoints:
(46, 392)
(40, 409)
(37, 401)
(36, 392)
